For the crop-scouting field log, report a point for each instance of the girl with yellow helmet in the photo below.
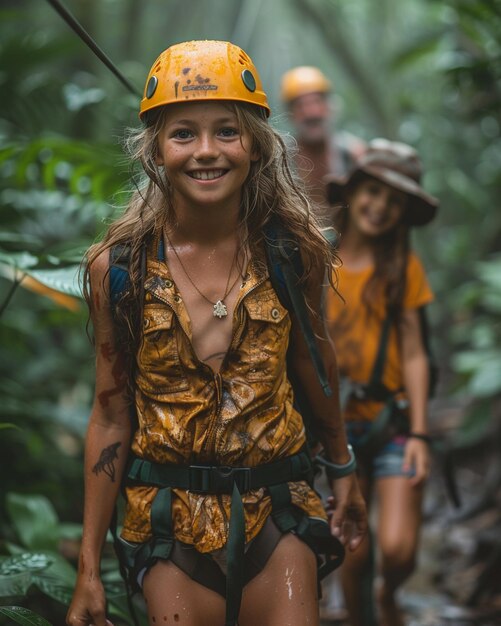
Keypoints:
(199, 349)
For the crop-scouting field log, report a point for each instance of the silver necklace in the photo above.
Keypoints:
(219, 307)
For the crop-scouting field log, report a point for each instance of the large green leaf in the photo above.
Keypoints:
(19, 260)
(65, 279)
(24, 562)
(15, 585)
(50, 572)
(23, 616)
(17, 572)
(34, 520)
(54, 587)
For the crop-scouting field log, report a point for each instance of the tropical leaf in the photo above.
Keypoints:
(23, 616)
(24, 562)
(60, 284)
(19, 260)
(19, 238)
(15, 585)
(16, 572)
(64, 280)
(54, 587)
(34, 520)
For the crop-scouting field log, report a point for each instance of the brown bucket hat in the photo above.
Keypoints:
(396, 164)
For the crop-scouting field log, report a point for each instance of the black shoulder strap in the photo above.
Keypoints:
(286, 269)
(375, 388)
(425, 336)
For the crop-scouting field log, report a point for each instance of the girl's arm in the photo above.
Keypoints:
(106, 449)
(349, 506)
(416, 380)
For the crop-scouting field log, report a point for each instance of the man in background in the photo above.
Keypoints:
(305, 91)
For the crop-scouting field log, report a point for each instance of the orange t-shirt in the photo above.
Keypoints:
(356, 332)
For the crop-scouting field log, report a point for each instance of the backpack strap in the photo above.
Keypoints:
(375, 388)
(286, 269)
(119, 268)
(432, 364)
(119, 271)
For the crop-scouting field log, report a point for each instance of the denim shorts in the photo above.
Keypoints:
(387, 461)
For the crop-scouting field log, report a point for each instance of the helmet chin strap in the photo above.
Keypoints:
(74, 24)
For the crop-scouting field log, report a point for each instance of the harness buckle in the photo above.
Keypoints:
(224, 477)
(219, 479)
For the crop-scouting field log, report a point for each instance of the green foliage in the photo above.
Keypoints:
(34, 568)
(22, 616)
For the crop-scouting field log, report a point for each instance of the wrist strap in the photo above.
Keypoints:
(336, 470)
(426, 438)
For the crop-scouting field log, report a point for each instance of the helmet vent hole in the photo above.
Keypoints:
(243, 58)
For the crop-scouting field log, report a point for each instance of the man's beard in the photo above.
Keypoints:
(312, 131)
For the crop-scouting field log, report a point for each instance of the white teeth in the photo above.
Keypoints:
(207, 175)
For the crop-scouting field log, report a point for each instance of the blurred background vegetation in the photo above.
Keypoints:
(427, 72)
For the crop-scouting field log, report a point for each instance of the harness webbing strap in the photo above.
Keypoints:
(376, 378)
(281, 507)
(218, 479)
(161, 524)
(235, 563)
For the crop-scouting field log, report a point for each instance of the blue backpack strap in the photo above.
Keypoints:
(286, 269)
(119, 268)
(119, 271)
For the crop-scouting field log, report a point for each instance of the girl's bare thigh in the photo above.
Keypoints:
(173, 598)
(285, 592)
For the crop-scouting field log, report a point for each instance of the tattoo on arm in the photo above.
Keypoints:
(118, 372)
(107, 351)
(106, 461)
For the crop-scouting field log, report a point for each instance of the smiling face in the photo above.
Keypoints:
(205, 155)
(375, 208)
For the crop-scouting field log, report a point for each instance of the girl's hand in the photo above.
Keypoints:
(347, 511)
(88, 605)
(417, 458)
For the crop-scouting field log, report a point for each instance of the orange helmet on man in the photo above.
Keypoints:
(303, 80)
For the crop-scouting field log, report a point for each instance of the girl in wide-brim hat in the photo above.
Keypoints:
(383, 360)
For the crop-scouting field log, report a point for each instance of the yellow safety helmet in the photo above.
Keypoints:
(202, 70)
(302, 80)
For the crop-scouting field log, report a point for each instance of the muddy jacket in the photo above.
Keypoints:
(187, 414)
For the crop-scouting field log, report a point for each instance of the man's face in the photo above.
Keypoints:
(310, 115)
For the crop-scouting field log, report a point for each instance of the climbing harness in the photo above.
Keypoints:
(233, 481)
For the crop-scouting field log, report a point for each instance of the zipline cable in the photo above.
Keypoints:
(87, 39)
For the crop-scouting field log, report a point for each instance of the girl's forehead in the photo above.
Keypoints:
(198, 111)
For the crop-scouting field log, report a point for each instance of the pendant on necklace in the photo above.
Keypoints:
(220, 309)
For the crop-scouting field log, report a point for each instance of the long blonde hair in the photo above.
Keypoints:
(270, 191)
